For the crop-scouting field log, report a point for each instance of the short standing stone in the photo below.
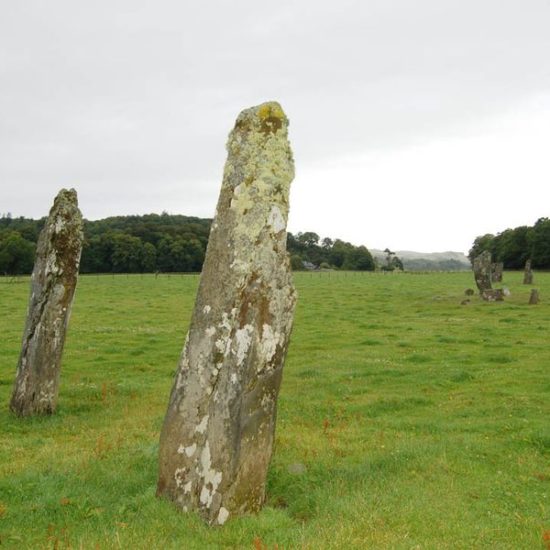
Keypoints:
(217, 437)
(52, 290)
(469, 292)
(497, 269)
(493, 295)
(482, 271)
(528, 274)
(534, 297)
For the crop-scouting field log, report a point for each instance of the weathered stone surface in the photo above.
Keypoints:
(217, 437)
(496, 272)
(482, 271)
(493, 294)
(53, 285)
(528, 274)
(534, 297)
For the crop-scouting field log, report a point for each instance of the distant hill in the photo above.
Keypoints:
(427, 261)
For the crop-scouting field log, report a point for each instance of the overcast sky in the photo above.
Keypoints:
(415, 125)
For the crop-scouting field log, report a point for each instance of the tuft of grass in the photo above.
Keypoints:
(405, 420)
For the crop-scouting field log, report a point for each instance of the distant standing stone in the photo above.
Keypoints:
(528, 274)
(534, 297)
(497, 269)
(482, 271)
(53, 285)
(217, 437)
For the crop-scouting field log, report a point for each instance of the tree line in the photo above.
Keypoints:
(513, 247)
(161, 243)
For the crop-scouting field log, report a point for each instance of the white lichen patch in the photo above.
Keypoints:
(187, 487)
(190, 451)
(243, 338)
(183, 365)
(206, 309)
(223, 514)
(233, 378)
(210, 331)
(226, 321)
(267, 401)
(205, 495)
(276, 219)
(268, 344)
(211, 478)
(239, 265)
(201, 427)
(179, 477)
(59, 225)
(221, 345)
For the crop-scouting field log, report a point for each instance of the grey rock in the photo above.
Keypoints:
(482, 271)
(53, 285)
(493, 295)
(217, 437)
(534, 297)
(496, 272)
(528, 274)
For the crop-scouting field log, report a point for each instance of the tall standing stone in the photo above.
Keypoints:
(217, 437)
(482, 271)
(528, 274)
(53, 285)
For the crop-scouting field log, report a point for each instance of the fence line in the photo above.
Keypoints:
(17, 279)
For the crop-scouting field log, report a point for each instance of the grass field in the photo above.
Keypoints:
(406, 420)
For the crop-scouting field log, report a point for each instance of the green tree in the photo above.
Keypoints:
(339, 252)
(16, 254)
(127, 254)
(309, 238)
(513, 247)
(149, 258)
(485, 242)
(541, 243)
(296, 263)
(359, 258)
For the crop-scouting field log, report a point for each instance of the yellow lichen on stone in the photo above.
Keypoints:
(271, 109)
(259, 171)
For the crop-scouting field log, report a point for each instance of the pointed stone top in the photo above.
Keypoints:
(66, 196)
(267, 118)
(62, 235)
(65, 211)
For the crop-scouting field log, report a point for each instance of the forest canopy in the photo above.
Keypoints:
(175, 243)
(161, 243)
(513, 247)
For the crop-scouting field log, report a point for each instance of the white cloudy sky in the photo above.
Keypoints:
(415, 125)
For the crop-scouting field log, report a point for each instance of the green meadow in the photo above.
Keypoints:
(406, 420)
